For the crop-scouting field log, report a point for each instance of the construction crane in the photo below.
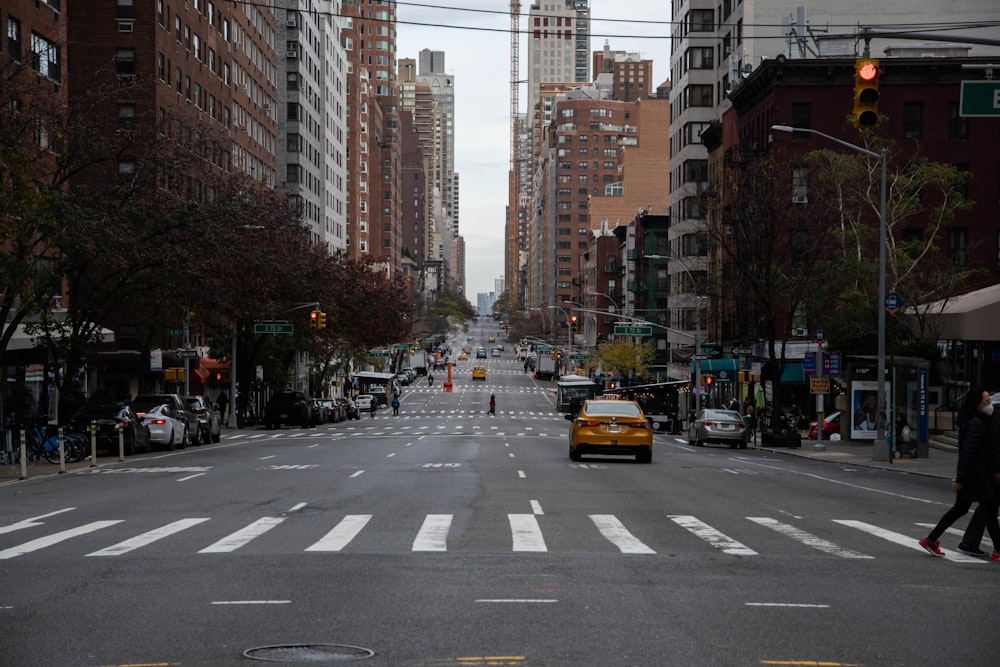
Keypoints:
(511, 246)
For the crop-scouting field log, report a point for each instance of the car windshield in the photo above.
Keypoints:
(722, 414)
(146, 407)
(612, 409)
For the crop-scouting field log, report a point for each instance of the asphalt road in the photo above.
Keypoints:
(445, 536)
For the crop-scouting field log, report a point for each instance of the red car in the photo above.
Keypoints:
(831, 425)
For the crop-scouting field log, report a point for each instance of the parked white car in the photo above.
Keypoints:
(364, 403)
(165, 429)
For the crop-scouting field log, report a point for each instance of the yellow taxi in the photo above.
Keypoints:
(493, 339)
(613, 427)
(479, 373)
(462, 356)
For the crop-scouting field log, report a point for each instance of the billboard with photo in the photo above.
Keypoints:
(864, 408)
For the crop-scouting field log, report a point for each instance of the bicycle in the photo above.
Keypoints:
(39, 444)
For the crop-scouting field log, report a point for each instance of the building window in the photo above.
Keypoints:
(700, 58)
(126, 116)
(44, 57)
(125, 9)
(125, 62)
(14, 39)
(292, 173)
(801, 117)
(294, 143)
(958, 246)
(695, 171)
(699, 95)
(913, 120)
(702, 20)
(958, 126)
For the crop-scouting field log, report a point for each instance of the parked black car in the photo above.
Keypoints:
(289, 407)
(110, 420)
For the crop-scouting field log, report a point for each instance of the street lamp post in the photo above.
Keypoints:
(881, 415)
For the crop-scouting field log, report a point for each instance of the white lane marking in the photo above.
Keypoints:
(264, 458)
(342, 533)
(358, 473)
(904, 540)
(787, 604)
(55, 538)
(147, 538)
(511, 455)
(243, 536)
(806, 538)
(616, 533)
(526, 533)
(520, 473)
(297, 507)
(389, 456)
(235, 602)
(523, 600)
(433, 535)
(536, 507)
(184, 479)
(32, 522)
(712, 536)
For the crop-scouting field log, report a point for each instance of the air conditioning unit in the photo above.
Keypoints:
(125, 25)
(800, 331)
(800, 199)
(291, 22)
(292, 54)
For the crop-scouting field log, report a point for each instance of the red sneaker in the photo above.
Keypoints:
(933, 547)
(995, 556)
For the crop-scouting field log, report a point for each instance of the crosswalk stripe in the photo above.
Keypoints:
(807, 538)
(147, 538)
(342, 533)
(55, 538)
(903, 540)
(712, 536)
(526, 532)
(243, 536)
(433, 535)
(616, 533)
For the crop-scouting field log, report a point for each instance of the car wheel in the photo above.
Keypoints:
(574, 453)
(170, 444)
(196, 438)
(186, 440)
(217, 436)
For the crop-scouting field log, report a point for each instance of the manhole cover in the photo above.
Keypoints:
(308, 653)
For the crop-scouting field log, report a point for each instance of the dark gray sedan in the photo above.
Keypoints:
(721, 426)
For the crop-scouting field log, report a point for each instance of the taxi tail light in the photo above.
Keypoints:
(587, 423)
(637, 424)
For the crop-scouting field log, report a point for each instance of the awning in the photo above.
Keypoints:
(22, 340)
(970, 316)
(793, 373)
(723, 369)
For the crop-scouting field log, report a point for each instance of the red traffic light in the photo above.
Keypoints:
(868, 71)
(572, 318)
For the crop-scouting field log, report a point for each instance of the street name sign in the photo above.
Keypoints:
(378, 353)
(626, 330)
(272, 327)
(980, 98)
(579, 357)
(187, 354)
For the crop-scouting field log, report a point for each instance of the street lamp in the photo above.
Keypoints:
(880, 419)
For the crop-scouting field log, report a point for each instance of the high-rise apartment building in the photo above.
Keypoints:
(312, 132)
(558, 45)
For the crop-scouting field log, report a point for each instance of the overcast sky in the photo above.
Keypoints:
(477, 52)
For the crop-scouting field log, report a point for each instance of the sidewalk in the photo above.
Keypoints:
(938, 463)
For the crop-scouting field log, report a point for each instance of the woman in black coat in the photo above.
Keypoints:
(974, 478)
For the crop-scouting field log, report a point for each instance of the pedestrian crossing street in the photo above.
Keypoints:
(752, 536)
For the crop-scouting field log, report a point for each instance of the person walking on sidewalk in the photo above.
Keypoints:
(974, 477)
(984, 514)
(493, 405)
(395, 406)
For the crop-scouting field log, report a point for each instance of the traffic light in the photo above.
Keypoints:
(572, 323)
(314, 319)
(866, 76)
(320, 320)
(707, 380)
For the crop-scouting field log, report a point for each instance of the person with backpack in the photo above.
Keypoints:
(395, 406)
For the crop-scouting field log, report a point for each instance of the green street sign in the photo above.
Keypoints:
(579, 357)
(378, 353)
(980, 98)
(272, 327)
(399, 346)
(625, 330)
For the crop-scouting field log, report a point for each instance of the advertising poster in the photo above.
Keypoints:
(864, 409)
